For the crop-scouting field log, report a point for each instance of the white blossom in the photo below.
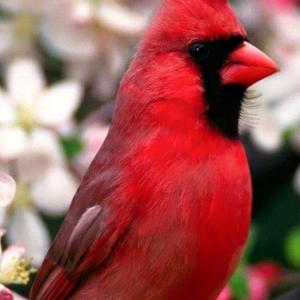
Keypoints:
(31, 117)
(44, 184)
(102, 30)
(14, 268)
(7, 189)
(29, 103)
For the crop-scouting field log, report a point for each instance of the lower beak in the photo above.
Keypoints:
(247, 65)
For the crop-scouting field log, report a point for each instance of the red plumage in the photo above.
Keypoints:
(164, 209)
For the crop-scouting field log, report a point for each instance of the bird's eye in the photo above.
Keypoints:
(199, 51)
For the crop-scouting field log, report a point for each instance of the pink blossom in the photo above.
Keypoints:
(225, 294)
(5, 294)
(280, 5)
(262, 277)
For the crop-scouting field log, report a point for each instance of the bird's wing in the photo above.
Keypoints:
(86, 239)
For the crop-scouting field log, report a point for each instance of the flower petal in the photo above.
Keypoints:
(64, 37)
(267, 134)
(5, 293)
(57, 105)
(258, 288)
(118, 18)
(225, 294)
(24, 81)
(12, 142)
(54, 191)
(276, 87)
(7, 189)
(41, 152)
(82, 12)
(14, 268)
(7, 113)
(18, 297)
(288, 112)
(27, 229)
(10, 257)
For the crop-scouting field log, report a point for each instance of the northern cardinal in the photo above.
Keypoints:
(163, 211)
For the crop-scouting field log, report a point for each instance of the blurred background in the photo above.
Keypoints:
(60, 65)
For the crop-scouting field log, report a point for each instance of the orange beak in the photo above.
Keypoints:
(247, 65)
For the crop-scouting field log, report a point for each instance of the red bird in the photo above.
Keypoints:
(164, 209)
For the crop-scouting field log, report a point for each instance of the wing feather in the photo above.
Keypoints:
(86, 239)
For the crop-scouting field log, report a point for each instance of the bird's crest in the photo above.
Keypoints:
(181, 21)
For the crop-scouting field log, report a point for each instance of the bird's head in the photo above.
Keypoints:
(197, 55)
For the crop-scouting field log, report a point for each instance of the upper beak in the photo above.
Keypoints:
(247, 65)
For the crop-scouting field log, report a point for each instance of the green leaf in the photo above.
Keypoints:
(72, 146)
(292, 247)
(288, 133)
(239, 284)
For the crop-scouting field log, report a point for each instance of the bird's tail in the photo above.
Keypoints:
(55, 286)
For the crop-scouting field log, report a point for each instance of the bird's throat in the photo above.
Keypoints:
(224, 102)
(224, 105)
